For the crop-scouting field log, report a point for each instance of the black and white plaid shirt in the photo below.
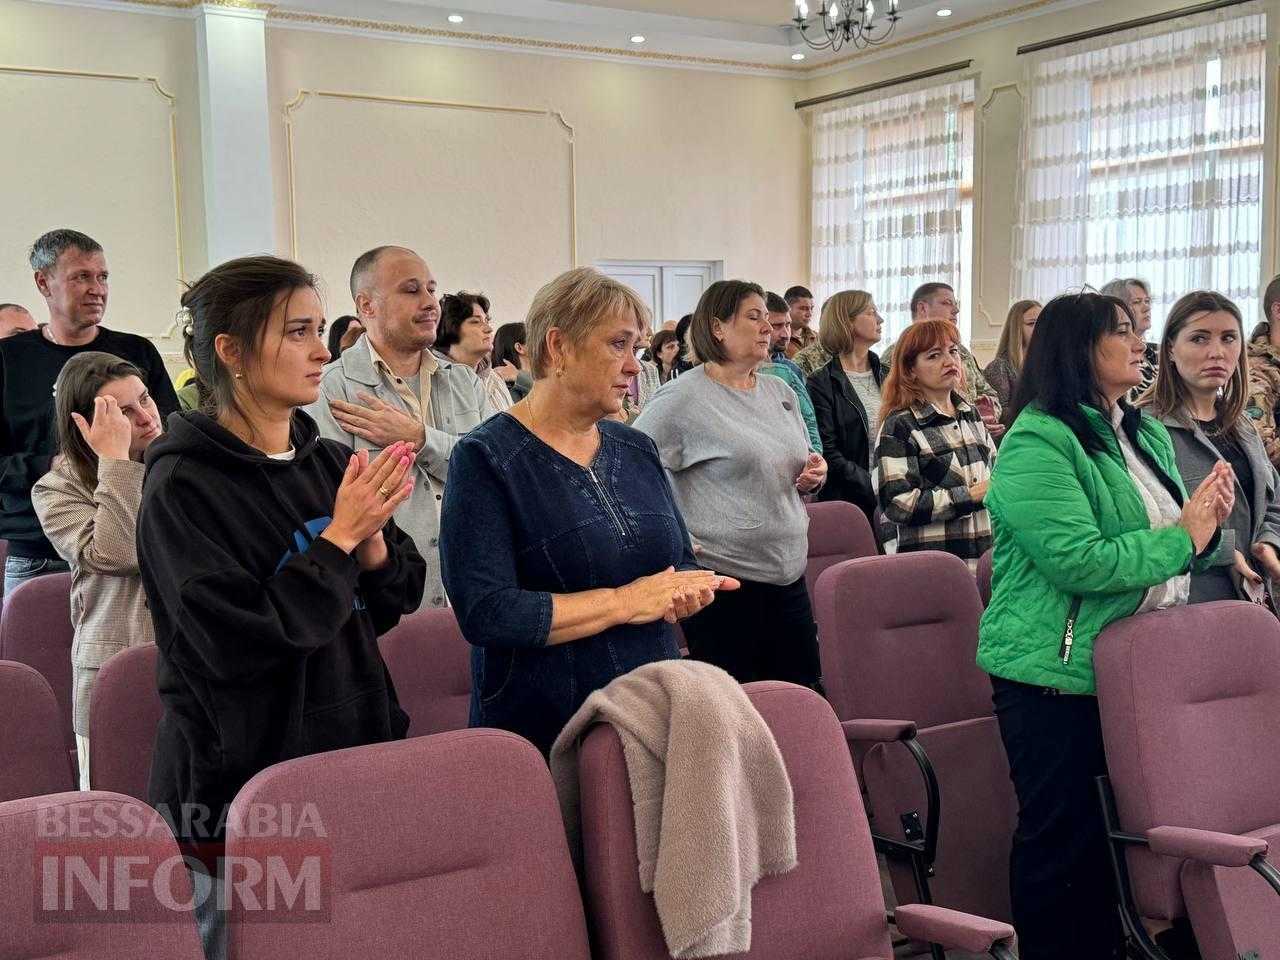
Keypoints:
(925, 464)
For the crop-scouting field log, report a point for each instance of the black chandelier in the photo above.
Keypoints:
(847, 21)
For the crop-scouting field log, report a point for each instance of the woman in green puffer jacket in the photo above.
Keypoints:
(1091, 524)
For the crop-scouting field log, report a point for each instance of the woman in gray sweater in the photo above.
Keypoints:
(1199, 393)
(736, 450)
(88, 506)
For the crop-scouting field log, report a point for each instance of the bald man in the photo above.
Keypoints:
(15, 319)
(389, 386)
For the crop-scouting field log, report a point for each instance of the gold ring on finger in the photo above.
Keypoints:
(385, 492)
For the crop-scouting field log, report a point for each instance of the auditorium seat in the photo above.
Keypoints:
(984, 577)
(124, 712)
(35, 629)
(898, 639)
(58, 858)
(449, 845)
(33, 759)
(830, 907)
(837, 531)
(1190, 706)
(430, 665)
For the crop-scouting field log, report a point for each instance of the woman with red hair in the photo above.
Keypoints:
(933, 454)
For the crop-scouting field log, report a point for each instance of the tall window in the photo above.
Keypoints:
(1143, 158)
(893, 197)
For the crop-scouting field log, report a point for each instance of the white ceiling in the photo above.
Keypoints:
(750, 32)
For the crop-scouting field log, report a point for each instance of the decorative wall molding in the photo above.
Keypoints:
(980, 192)
(174, 168)
(294, 105)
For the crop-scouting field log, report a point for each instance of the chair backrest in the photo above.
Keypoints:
(36, 629)
(58, 860)
(898, 636)
(450, 844)
(898, 639)
(984, 577)
(1190, 705)
(430, 665)
(33, 759)
(837, 531)
(124, 712)
(830, 906)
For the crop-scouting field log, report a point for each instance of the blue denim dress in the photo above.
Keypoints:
(521, 522)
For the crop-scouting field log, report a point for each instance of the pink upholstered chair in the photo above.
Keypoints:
(35, 629)
(124, 712)
(898, 636)
(430, 665)
(58, 857)
(837, 531)
(449, 845)
(830, 907)
(33, 758)
(1190, 705)
(984, 577)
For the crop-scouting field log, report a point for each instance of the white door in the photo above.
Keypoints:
(670, 288)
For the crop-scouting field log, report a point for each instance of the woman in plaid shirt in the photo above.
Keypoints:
(933, 454)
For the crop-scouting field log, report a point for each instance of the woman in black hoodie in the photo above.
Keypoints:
(269, 559)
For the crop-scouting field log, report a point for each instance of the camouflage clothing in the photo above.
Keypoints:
(1264, 392)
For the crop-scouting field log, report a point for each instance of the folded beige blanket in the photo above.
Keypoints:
(713, 804)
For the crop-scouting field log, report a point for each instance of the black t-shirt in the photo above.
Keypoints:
(29, 367)
(1234, 454)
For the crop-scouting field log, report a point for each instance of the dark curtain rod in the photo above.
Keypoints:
(922, 75)
(1131, 24)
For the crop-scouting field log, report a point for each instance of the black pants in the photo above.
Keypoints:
(1064, 901)
(760, 632)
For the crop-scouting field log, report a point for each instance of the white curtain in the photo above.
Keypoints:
(892, 196)
(1142, 157)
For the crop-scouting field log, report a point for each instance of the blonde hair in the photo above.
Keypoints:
(575, 303)
(1010, 346)
(835, 327)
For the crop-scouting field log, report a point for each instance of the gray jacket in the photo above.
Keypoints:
(1250, 522)
(458, 403)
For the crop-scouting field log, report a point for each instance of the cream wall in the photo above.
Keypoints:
(671, 164)
(96, 153)
(998, 122)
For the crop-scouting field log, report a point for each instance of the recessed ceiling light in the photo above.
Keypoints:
(455, 18)
(637, 39)
(944, 12)
(797, 56)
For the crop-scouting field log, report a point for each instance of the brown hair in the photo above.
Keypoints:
(1270, 296)
(901, 390)
(720, 301)
(77, 385)
(926, 291)
(235, 298)
(575, 303)
(1168, 395)
(1010, 346)
(835, 326)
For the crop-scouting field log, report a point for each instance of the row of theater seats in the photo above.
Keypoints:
(1190, 698)
(421, 856)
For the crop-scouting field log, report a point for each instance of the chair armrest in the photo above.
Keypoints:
(1205, 846)
(951, 928)
(878, 731)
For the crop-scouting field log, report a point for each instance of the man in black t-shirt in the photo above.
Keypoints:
(71, 274)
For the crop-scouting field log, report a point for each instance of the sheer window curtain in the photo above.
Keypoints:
(1142, 157)
(892, 197)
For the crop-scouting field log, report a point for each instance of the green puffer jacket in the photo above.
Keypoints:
(1070, 527)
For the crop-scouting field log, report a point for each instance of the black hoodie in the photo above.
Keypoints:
(267, 635)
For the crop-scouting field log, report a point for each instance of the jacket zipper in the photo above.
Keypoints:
(608, 504)
(1069, 631)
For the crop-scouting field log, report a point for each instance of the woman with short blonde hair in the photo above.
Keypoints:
(846, 396)
(564, 554)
